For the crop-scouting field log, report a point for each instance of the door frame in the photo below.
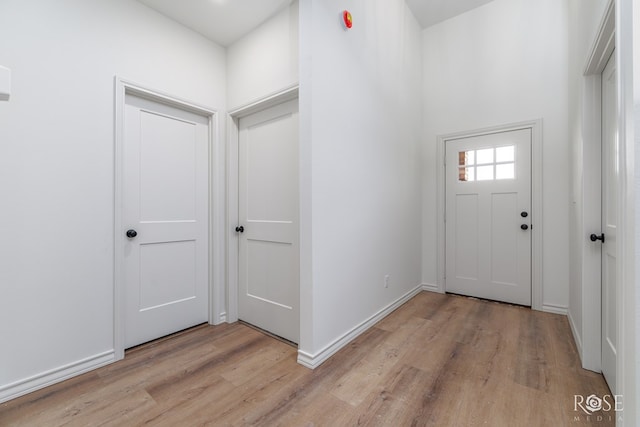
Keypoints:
(536, 206)
(614, 33)
(125, 87)
(233, 141)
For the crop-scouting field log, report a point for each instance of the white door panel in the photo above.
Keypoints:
(467, 236)
(165, 181)
(504, 219)
(488, 189)
(268, 210)
(610, 179)
(270, 260)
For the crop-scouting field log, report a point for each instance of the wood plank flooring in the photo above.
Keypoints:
(439, 360)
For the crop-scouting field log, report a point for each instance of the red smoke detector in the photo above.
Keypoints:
(346, 19)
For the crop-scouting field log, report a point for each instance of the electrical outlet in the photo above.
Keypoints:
(386, 281)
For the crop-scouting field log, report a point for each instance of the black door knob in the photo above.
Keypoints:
(524, 214)
(240, 229)
(595, 237)
(524, 226)
(132, 233)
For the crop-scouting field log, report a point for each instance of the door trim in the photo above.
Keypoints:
(536, 206)
(122, 88)
(233, 135)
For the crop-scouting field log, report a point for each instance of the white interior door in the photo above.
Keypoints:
(268, 277)
(165, 213)
(488, 216)
(610, 175)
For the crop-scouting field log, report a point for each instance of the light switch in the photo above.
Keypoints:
(5, 83)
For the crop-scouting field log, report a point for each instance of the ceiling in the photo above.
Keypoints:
(430, 12)
(225, 21)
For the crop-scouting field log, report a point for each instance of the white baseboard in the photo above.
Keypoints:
(44, 379)
(222, 319)
(431, 288)
(312, 361)
(576, 336)
(556, 309)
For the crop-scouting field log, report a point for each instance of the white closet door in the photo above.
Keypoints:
(165, 214)
(269, 279)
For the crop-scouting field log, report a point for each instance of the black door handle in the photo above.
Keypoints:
(524, 226)
(240, 229)
(595, 237)
(524, 214)
(132, 233)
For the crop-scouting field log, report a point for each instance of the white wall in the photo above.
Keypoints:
(57, 164)
(633, 314)
(264, 61)
(504, 62)
(360, 154)
(628, 45)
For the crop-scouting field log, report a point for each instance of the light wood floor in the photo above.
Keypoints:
(437, 361)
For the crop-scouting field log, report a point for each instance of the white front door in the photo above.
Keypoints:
(610, 179)
(488, 216)
(165, 215)
(268, 277)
